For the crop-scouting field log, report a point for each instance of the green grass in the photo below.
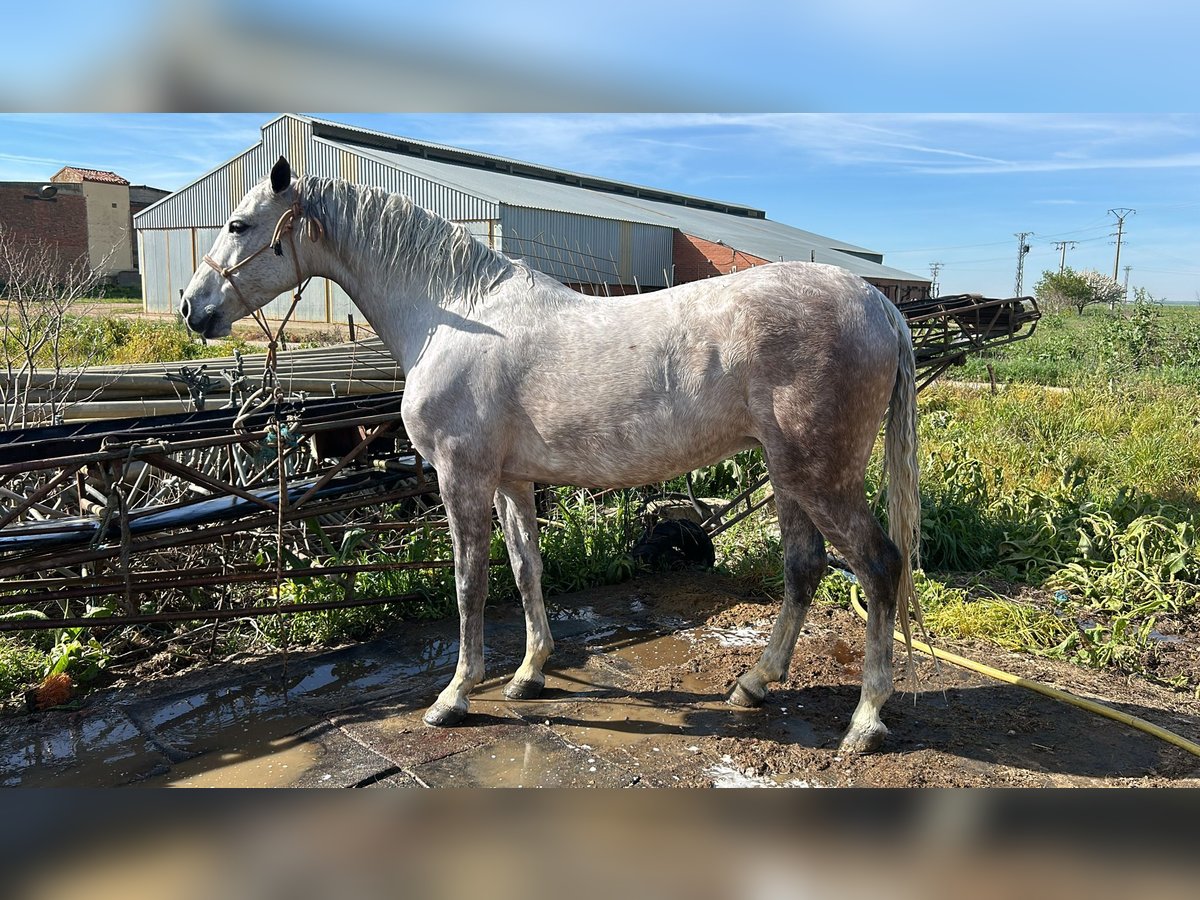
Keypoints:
(116, 340)
(22, 664)
(1139, 343)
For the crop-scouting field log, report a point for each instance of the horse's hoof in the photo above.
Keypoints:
(524, 690)
(444, 716)
(744, 698)
(867, 740)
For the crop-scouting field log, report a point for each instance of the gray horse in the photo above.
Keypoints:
(513, 378)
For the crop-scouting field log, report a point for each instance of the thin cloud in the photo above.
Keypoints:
(1174, 161)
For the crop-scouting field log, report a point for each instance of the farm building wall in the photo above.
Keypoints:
(59, 222)
(587, 250)
(696, 258)
(109, 248)
(84, 222)
(180, 230)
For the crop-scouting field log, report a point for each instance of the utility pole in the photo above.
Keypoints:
(1022, 249)
(934, 287)
(1120, 213)
(1062, 260)
(1127, 268)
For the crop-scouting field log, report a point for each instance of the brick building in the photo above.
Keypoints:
(80, 214)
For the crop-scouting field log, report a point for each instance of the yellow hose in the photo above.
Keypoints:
(1090, 705)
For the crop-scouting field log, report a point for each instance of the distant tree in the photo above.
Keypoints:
(1068, 288)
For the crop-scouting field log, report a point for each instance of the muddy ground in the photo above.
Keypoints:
(635, 697)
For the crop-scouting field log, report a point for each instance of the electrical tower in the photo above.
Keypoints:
(1022, 249)
(1120, 213)
(934, 287)
(1062, 260)
(1127, 268)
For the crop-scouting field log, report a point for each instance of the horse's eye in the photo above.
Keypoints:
(237, 226)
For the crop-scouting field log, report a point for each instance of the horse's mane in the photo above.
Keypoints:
(409, 244)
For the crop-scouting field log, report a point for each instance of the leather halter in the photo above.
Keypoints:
(285, 225)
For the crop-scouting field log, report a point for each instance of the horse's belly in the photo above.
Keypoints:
(623, 454)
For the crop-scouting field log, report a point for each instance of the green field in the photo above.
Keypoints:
(1140, 343)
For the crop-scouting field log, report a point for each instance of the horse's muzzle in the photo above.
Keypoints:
(201, 319)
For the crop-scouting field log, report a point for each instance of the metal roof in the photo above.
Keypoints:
(763, 237)
(513, 183)
(410, 147)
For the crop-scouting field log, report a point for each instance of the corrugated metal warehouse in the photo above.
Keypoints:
(597, 235)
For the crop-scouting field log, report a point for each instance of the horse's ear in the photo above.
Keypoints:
(281, 175)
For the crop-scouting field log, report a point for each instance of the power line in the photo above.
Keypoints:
(955, 247)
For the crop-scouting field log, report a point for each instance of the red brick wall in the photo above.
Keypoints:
(60, 222)
(612, 290)
(696, 258)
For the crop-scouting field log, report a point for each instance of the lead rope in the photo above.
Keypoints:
(271, 392)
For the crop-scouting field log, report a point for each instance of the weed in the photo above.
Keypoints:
(21, 664)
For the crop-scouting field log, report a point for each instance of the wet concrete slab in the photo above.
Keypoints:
(317, 757)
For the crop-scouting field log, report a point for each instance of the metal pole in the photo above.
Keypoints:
(1022, 249)
(1120, 212)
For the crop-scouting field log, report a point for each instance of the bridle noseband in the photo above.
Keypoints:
(285, 225)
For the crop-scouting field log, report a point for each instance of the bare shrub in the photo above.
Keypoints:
(40, 293)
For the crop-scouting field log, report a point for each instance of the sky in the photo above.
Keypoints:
(921, 188)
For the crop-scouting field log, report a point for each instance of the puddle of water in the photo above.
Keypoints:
(362, 676)
(604, 725)
(581, 613)
(533, 761)
(216, 709)
(1156, 635)
(96, 752)
(617, 719)
(276, 763)
(650, 651)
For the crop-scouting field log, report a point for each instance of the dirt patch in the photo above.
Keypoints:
(958, 729)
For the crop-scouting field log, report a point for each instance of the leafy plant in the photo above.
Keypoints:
(76, 651)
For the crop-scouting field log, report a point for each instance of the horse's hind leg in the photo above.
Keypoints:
(804, 566)
(876, 562)
(518, 516)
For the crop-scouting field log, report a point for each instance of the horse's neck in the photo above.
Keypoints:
(398, 302)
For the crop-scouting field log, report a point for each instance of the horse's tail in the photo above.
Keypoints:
(900, 463)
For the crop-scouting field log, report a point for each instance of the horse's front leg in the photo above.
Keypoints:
(518, 516)
(467, 497)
